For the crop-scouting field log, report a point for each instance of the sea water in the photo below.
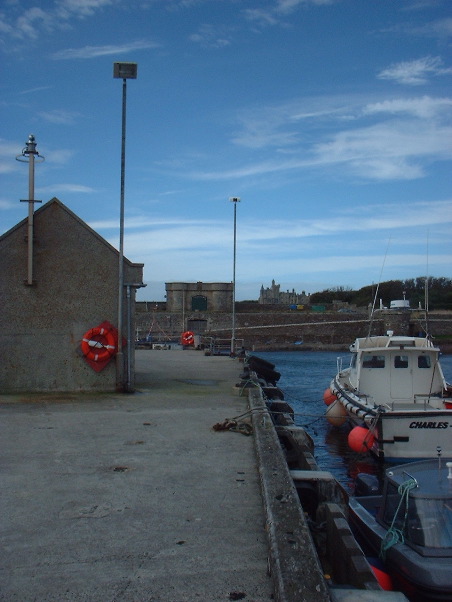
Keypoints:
(304, 377)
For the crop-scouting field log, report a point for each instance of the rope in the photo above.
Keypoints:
(393, 535)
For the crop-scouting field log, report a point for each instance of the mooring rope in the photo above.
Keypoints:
(393, 535)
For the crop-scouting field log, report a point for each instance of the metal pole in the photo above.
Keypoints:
(120, 355)
(31, 197)
(234, 200)
(30, 154)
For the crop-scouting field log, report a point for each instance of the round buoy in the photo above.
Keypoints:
(329, 397)
(383, 579)
(336, 414)
(360, 439)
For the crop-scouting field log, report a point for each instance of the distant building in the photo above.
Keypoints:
(198, 296)
(273, 296)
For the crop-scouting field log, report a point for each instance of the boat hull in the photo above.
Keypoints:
(403, 435)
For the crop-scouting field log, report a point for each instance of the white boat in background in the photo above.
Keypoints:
(395, 394)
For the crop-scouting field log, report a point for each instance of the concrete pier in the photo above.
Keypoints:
(133, 497)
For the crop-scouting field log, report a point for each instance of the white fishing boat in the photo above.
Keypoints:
(395, 395)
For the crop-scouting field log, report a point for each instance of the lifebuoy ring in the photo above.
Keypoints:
(187, 338)
(98, 344)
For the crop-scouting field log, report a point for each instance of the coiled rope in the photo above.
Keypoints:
(393, 535)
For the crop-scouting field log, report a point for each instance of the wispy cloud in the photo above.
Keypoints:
(210, 36)
(422, 107)
(21, 22)
(8, 151)
(59, 116)
(441, 28)
(90, 52)
(5, 204)
(58, 188)
(393, 139)
(387, 151)
(37, 89)
(277, 13)
(175, 249)
(416, 72)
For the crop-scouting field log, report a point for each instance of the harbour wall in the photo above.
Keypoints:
(267, 329)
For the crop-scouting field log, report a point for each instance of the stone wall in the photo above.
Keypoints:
(293, 329)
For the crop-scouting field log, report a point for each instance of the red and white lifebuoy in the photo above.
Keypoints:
(187, 338)
(98, 344)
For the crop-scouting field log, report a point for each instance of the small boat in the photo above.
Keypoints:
(395, 395)
(409, 526)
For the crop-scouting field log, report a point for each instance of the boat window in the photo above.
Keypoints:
(401, 361)
(427, 523)
(423, 361)
(373, 361)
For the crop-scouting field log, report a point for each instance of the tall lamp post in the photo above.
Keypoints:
(235, 200)
(122, 71)
(30, 154)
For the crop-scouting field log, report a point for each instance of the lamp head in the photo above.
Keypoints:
(125, 70)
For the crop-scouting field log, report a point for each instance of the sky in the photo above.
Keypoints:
(329, 119)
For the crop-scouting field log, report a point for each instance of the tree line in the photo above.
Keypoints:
(438, 293)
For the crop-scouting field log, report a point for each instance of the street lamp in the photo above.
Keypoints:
(30, 155)
(235, 200)
(122, 71)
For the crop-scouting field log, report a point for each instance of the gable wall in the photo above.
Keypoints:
(76, 288)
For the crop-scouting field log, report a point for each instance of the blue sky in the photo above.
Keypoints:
(330, 119)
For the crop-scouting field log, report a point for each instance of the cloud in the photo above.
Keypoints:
(90, 52)
(65, 9)
(58, 188)
(8, 152)
(29, 23)
(5, 204)
(37, 89)
(209, 36)
(392, 139)
(441, 28)
(59, 116)
(416, 72)
(387, 151)
(424, 107)
(276, 14)
(172, 250)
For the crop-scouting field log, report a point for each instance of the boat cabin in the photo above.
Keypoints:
(400, 369)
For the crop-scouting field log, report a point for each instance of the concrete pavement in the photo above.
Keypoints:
(133, 497)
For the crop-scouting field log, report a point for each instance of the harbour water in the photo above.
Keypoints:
(304, 377)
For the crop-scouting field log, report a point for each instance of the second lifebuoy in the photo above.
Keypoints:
(98, 344)
(187, 338)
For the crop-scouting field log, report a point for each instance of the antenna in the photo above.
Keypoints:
(427, 329)
(376, 291)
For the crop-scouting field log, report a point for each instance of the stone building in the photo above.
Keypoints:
(193, 306)
(74, 288)
(198, 296)
(273, 296)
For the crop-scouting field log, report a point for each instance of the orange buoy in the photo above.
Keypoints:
(336, 414)
(383, 579)
(329, 397)
(360, 439)
(98, 344)
(187, 338)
